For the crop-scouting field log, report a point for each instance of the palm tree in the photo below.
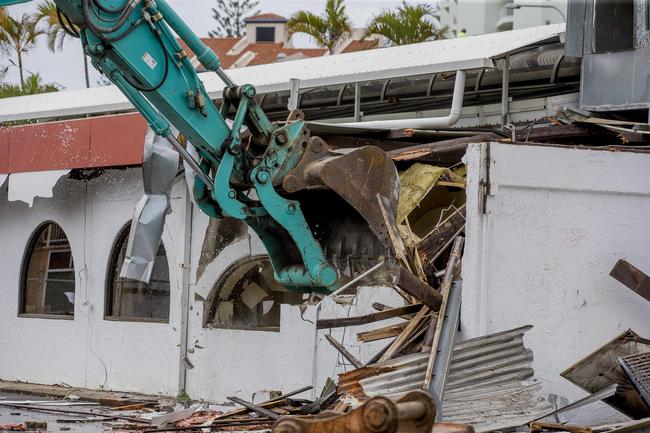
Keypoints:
(56, 36)
(407, 25)
(328, 30)
(18, 36)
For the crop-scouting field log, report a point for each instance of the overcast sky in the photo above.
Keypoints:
(66, 67)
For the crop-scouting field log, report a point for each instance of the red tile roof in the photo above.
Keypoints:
(361, 45)
(268, 53)
(266, 17)
(264, 52)
(220, 46)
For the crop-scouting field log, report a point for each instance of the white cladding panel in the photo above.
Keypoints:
(556, 221)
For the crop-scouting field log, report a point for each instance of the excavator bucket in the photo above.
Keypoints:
(361, 177)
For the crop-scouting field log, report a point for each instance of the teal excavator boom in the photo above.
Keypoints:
(263, 173)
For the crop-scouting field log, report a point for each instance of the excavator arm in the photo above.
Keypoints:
(253, 170)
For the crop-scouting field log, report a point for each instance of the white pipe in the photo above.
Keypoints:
(422, 123)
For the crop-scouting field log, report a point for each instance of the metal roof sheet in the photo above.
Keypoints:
(409, 60)
(490, 381)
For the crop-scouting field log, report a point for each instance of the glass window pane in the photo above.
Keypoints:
(48, 283)
(134, 300)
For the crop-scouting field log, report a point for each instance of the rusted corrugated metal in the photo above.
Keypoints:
(109, 141)
(489, 382)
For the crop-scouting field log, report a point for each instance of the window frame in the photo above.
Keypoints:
(122, 235)
(260, 30)
(24, 275)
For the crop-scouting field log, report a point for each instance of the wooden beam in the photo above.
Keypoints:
(343, 351)
(255, 408)
(538, 426)
(441, 236)
(444, 151)
(267, 404)
(406, 334)
(632, 278)
(369, 318)
(381, 333)
(434, 332)
(417, 288)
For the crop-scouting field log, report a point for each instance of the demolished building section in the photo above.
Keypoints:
(461, 190)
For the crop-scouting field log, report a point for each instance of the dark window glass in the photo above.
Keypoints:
(48, 282)
(134, 300)
(265, 34)
(613, 25)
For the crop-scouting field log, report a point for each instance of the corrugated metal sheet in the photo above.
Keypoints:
(489, 383)
(417, 59)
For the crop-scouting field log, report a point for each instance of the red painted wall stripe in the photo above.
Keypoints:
(107, 141)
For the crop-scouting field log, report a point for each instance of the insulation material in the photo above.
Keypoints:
(419, 199)
(159, 171)
(27, 186)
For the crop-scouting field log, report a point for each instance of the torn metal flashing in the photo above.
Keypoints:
(159, 171)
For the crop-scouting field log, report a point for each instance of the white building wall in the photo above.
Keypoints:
(555, 223)
(246, 362)
(479, 17)
(90, 351)
(538, 16)
(87, 351)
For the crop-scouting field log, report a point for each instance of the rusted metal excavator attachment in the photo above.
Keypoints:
(413, 413)
(356, 175)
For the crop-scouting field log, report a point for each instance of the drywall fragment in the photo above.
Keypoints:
(253, 294)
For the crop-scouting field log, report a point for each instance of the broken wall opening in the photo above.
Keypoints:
(247, 297)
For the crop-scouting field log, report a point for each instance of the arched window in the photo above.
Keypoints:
(48, 276)
(134, 300)
(247, 297)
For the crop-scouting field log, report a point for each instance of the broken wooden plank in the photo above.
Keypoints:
(381, 333)
(406, 334)
(632, 278)
(368, 318)
(412, 251)
(433, 333)
(255, 408)
(417, 288)
(436, 241)
(461, 185)
(538, 426)
(396, 241)
(269, 403)
(343, 351)
(440, 152)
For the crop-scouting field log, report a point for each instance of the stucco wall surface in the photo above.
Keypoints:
(539, 252)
